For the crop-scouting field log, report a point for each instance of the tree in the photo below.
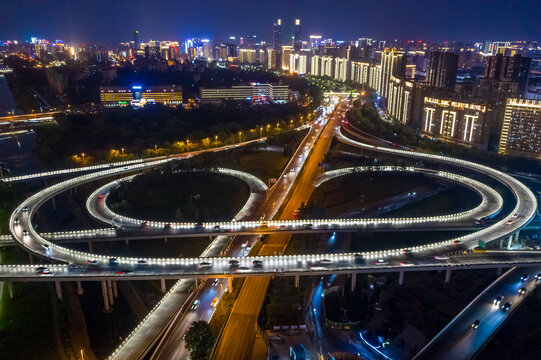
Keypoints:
(199, 340)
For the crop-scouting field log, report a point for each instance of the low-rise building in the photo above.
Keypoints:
(113, 96)
(252, 92)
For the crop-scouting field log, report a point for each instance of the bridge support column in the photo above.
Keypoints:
(447, 276)
(517, 235)
(10, 288)
(162, 285)
(210, 237)
(106, 308)
(297, 280)
(90, 246)
(79, 288)
(31, 258)
(165, 239)
(230, 284)
(110, 292)
(509, 241)
(53, 199)
(353, 281)
(126, 241)
(499, 270)
(115, 290)
(401, 277)
(58, 290)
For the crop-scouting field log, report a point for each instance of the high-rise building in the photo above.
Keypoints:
(299, 35)
(341, 69)
(327, 66)
(299, 63)
(277, 35)
(521, 128)
(360, 72)
(271, 59)
(136, 39)
(315, 41)
(286, 51)
(393, 63)
(509, 68)
(442, 68)
(315, 65)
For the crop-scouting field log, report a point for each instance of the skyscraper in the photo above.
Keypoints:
(136, 39)
(299, 36)
(442, 67)
(277, 35)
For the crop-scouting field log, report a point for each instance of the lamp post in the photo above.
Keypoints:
(83, 156)
(216, 140)
(240, 134)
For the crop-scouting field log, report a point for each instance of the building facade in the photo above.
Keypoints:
(461, 122)
(251, 92)
(442, 69)
(521, 129)
(114, 96)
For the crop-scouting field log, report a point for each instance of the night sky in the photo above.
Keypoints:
(111, 21)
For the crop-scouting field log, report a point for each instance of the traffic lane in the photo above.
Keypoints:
(237, 339)
(461, 340)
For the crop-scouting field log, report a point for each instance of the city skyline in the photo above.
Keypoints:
(100, 23)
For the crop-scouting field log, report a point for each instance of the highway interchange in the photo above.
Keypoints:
(426, 257)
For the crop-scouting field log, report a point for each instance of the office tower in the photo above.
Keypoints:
(442, 68)
(315, 40)
(393, 63)
(277, 35)
(286, 51)
(521, 129)
(509, 68)
(136, 39)
(299, 36)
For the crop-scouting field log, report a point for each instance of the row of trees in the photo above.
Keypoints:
(123, 134)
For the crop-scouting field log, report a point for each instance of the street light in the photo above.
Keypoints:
(122, 151)
(240, 134)
(83, 155)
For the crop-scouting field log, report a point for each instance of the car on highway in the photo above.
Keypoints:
(92, 261)
(509, 222)
(113, 261)
(25, 209)
(441, 257)
(167, 226)
(233, 263)
(124, 272)
(216, 282)
(100, 196)
(16, 221)
(457, 242)
(195, 304)
(522, 291)
(538, 276)
(524, 277)
(144, 224)
(475, 324)
(141, 262)
(406, 263)
(25, 232)
(325, 261)
(257, 263)
(205, 264)
(506, 306)
(381, 262)
(407, 252)
(43, 271)
(359, 259)
(214, 302)
(497, 300)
